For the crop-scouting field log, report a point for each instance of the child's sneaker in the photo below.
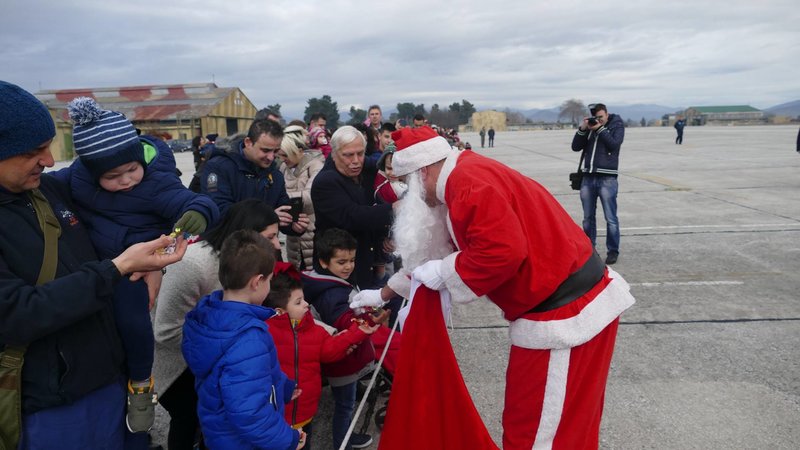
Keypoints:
(141, 408)
(358, 440)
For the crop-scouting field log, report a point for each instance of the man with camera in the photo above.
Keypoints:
(600, 137)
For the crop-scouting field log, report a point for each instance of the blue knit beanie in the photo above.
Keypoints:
(103, 139)
(25, 123)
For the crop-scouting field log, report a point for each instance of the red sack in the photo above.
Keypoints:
(430, 406)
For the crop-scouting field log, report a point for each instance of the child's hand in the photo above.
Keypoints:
(192, 222)
(388, 245)
(296, 393)
(381, 317)
(368, 329)
(302, 442)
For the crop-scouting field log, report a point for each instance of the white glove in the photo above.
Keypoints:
(370, 297)
(430, 274)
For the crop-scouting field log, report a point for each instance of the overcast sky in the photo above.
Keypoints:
(496, 54)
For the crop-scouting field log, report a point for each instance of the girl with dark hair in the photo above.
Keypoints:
(188, 281)
(372, 151)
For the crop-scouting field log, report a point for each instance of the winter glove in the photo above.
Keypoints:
(370, 297)
(430, 274)
(192, 222)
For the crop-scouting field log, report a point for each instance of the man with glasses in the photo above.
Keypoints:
(247, 170)
(600, 137)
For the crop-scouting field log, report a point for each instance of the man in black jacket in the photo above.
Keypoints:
(600, 137)
(73, 394)
(342, 194)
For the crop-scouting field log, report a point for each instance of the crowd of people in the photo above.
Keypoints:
(123, 288)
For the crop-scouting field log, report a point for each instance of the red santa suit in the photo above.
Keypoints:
(520, 249)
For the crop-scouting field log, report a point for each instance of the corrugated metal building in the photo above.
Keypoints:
(709, 115)
(180, 111)
(489, 119)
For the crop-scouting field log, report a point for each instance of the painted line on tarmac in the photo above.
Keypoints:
(654, 322)
(688, 283)
(678, 227)
(676, 322)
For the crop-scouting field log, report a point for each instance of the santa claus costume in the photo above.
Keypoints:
(518, 248)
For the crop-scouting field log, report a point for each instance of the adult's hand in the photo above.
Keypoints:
(147, 256)
(430, 274)
(302, 224)
(365, 298)
(283, 215)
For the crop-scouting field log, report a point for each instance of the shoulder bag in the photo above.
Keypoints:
(12, 357)
(576, 178)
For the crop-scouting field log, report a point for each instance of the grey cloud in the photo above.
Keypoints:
(517, 54)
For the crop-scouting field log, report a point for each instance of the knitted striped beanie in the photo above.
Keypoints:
(103, 139)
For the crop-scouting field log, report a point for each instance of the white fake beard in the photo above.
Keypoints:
(420, 232)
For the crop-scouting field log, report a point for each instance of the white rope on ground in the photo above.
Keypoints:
(371, 383)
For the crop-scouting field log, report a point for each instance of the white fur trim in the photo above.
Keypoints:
(459, 291)
(579, 329)
(447, 168)
(555, 391)
(419, 155)
(400, 283)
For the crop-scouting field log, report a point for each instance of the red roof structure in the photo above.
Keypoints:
(174, 102)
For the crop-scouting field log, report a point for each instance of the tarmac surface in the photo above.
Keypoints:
(709, 356)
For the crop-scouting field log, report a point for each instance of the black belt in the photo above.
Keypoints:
(575, 286)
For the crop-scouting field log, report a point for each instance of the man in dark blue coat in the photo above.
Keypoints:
(72, 391)
(342, 195)
(247, 170)
(679, 124)
(600, 137)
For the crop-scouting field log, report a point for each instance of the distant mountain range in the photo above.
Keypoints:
(633, 112)
(637, 111)
(791, 109)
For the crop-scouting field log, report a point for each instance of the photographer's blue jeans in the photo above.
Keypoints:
(344, 398)
(604, 187)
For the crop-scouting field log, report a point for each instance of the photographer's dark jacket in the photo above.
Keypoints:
(67, 324)
(228, 177)
(601, 147)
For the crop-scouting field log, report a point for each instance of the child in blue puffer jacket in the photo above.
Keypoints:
(240, 387)
(127, 191)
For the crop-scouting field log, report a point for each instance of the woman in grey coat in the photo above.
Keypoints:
(183, 285)
(299, 167)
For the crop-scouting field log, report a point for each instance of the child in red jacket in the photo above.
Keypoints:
(302, 344)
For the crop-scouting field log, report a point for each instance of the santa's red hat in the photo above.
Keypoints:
(417, 148)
